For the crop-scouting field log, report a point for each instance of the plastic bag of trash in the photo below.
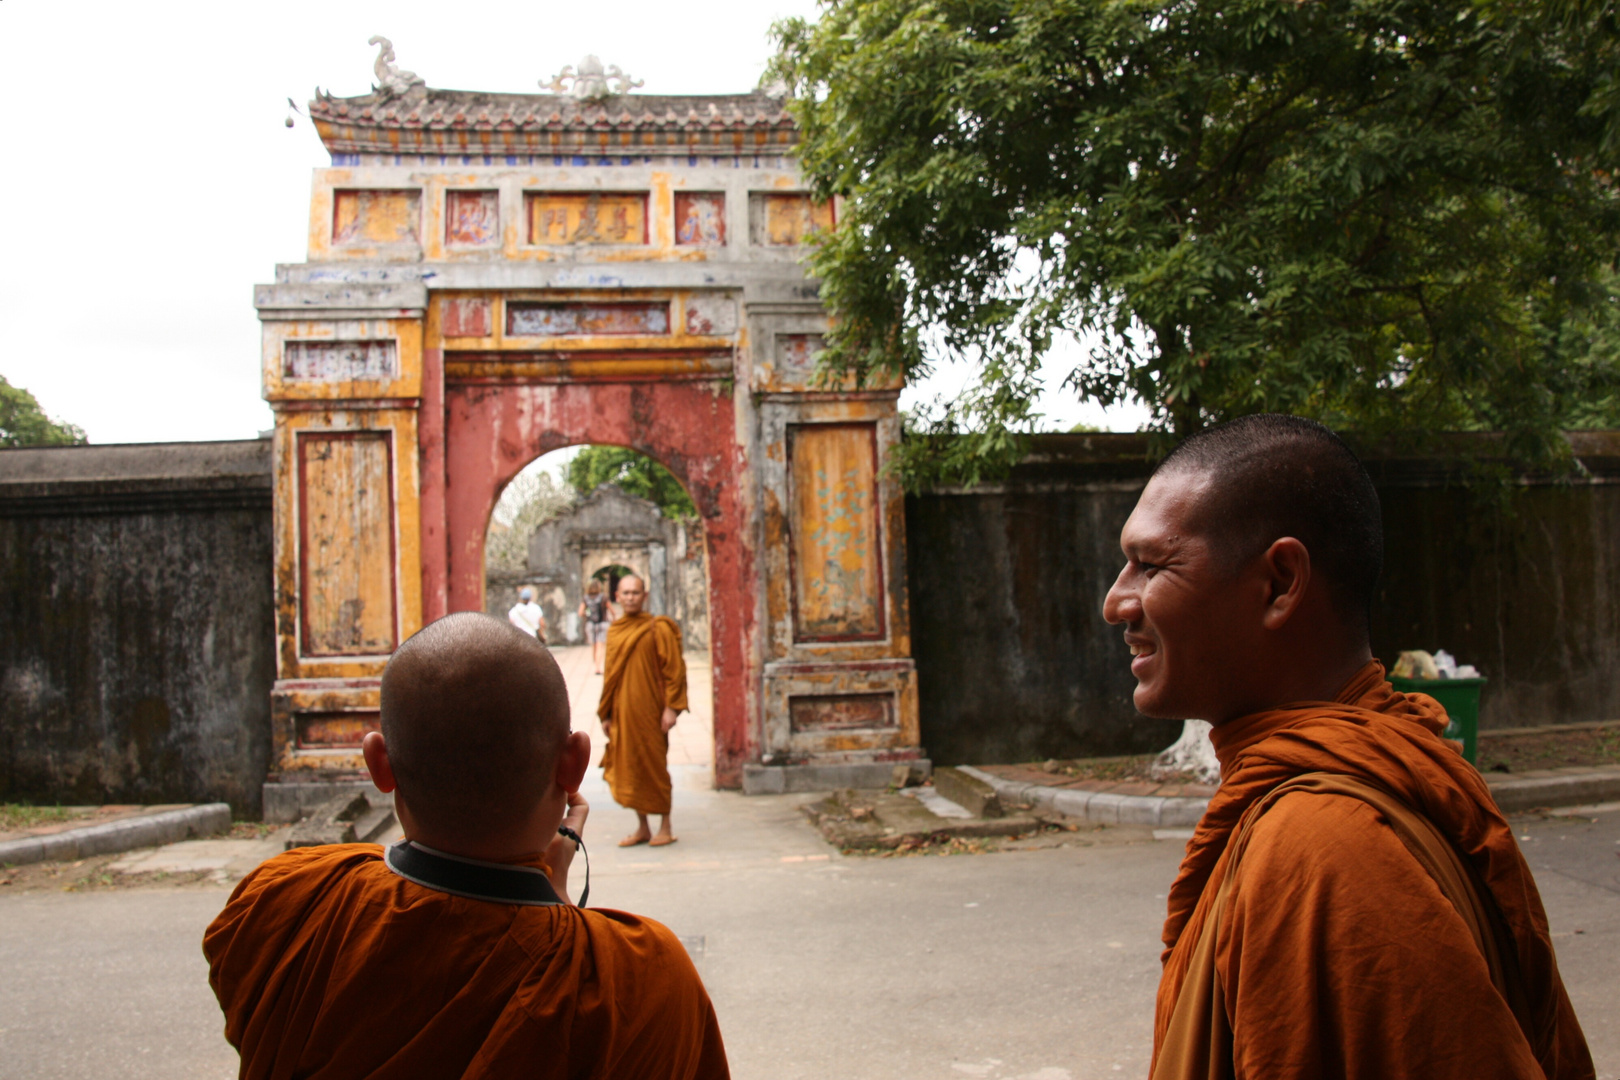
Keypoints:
(1415, 664)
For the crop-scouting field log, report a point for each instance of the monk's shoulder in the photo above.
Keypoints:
(632, 931)
(308, 864)
(1310, 829)
(282, 893)
(627, 941)
(1334, 849)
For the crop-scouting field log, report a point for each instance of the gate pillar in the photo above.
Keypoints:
(342, 370)
(839, 689)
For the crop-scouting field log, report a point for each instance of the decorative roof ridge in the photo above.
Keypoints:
(420, 96)
(417, 120)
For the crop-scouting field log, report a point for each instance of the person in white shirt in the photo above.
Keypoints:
(527, 616)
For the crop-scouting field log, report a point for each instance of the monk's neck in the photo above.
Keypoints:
(518, 842)
(1301, 677)
(1236, 735)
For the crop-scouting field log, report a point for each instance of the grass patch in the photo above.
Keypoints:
(252, 830)
(23, 816)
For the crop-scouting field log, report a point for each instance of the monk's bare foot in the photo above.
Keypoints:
(636, 838)
(661, 840)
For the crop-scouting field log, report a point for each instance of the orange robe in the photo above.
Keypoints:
(644, 674)
(327, 964)
(1337, 954)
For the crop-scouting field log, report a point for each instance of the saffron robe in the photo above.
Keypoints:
(1337, 954)
(329, 965)
(644, 673)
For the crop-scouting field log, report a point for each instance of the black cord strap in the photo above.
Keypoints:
(500, 883)
(579, 846)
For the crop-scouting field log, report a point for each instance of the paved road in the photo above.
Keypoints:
(1037, 964)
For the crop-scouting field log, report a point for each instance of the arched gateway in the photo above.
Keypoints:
(492, 276)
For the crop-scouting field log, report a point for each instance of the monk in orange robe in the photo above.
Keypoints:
(643, 692)
(456, 952)
(1352, 903)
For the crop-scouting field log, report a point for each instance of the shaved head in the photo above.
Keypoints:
(474, 712)
(1271, 475)
(632, 594)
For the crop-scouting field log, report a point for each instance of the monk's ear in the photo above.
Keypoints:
(375, 751)
(1288, 569)
(573, 760)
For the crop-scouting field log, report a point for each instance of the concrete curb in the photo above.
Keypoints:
(1573, 786)
(1513, 794)
(147, 830)
(1103, 807)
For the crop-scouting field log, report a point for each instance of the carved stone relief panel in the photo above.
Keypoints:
(841, 712)
(563, 218)
(337, 730)
(346, 543)
(376, 218)
(786, 220)
(584, 319)
(339, 361)
(472, 218)
(710, 316)
(796, 356)
(837, 552)
(700, 218)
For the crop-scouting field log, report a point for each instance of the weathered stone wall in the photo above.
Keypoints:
(1015, 662)
(137, 633)
(610, 527)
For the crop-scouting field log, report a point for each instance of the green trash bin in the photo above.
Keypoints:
(1460, 699)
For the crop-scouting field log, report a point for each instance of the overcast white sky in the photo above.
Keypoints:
(150, 180)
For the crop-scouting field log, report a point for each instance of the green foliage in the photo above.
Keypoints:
(24, 423)
(1394, 215)
(634, 473)
(1589, 344)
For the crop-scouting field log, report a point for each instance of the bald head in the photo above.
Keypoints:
(1271, 475)
(474, 713)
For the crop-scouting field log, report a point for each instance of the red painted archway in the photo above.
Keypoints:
(493, 429)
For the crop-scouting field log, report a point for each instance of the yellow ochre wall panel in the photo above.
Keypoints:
(837, 551)
(316, 530)
(347, 543)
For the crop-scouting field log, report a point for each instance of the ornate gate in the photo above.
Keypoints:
(492, 276)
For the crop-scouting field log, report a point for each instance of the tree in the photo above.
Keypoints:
(1387, 214)
(634, 473)
(24, 423)
(529, 501)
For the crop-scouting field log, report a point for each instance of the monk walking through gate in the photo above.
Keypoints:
(1352, 903)
(456, 953)
(643, 692)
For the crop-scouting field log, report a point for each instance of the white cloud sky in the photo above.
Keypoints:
(150, 181)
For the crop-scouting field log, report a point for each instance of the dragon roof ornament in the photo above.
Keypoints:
(391, 80)
(592, 82)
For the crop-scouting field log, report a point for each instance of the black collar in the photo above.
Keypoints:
(498, 883)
